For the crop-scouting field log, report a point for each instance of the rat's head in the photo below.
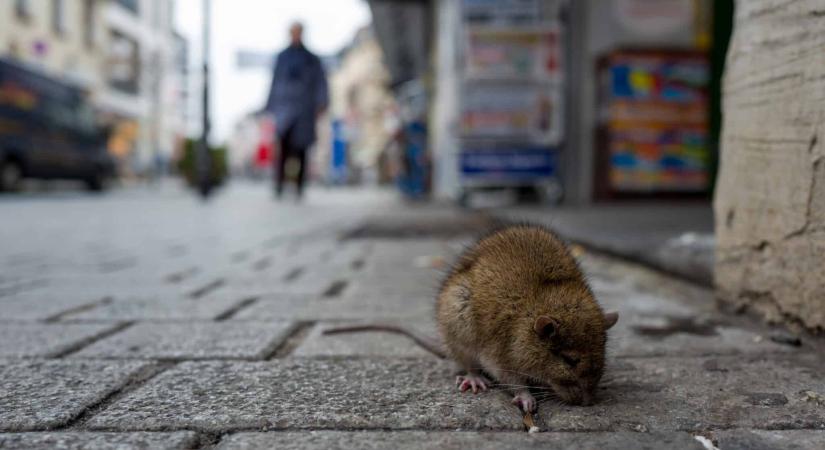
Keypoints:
(566, 347)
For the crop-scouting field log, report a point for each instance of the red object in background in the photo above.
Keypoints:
(266, 152)
(263, 157)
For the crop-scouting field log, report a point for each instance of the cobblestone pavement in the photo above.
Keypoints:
(147, 319)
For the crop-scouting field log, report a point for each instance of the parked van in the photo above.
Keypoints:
(48, 130)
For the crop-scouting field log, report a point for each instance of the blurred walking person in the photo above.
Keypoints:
(297, 97)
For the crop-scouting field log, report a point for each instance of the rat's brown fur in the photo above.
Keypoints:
(494, 307)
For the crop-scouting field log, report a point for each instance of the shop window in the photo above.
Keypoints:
(123, 63)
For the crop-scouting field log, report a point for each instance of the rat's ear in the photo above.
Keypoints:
(610, 319)
(546, 326)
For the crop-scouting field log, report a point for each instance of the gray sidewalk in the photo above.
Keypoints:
(149, 320)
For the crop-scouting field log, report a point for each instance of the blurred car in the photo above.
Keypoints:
(48, 130)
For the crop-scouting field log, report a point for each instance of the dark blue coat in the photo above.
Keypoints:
(298, 93)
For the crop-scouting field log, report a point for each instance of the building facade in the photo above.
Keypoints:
(144, 82)
(360, 102)
(63, 38)
(124, 53)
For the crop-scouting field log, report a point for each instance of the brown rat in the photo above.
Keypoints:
(517, 307)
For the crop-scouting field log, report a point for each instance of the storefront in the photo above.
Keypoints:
(642, 125)
(587, 100)
(498, 115)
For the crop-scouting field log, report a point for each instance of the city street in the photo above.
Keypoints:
(147, 318)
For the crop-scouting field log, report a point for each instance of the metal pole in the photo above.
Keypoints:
(204, 156)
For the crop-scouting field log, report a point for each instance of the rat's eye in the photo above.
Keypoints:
(570, 360)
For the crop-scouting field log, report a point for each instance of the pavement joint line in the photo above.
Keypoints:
(294, 274)
(78, 309)
(229, 313)
(134, 382)
(335, 289)
(294, 338)
(207, 288)
(93, 339)
(207, 439)
(181, 275)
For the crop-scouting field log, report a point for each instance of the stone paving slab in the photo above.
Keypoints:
(642, 394)
(692, 394)
(45, 394)
(424, 284)
(255, 287)
(265, 273)
(769, 439)
(40, 305)
(307, 393)
(45, 340)
(193, 340)
(317, 280)
(346, 255)
(366, 344)
(123, 287)
(99, 441)
(664, 335)
(404, 252)
(628, 281)
(298, 307)
(12, 285)
(159, 309)
(629, 300)
(157, 273)
(457, 440)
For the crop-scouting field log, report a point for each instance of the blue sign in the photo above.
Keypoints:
(338, 158)
(517, 164)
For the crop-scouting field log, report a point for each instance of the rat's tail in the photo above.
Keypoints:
(427, 343)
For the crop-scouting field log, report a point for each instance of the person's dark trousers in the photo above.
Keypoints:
(289, 151)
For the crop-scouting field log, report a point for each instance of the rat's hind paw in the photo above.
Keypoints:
(471, 381)
(525, 401)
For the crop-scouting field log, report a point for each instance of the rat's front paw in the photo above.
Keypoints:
(471, 381)
(525, 401)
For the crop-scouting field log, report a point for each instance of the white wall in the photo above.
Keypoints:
(64, 55)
